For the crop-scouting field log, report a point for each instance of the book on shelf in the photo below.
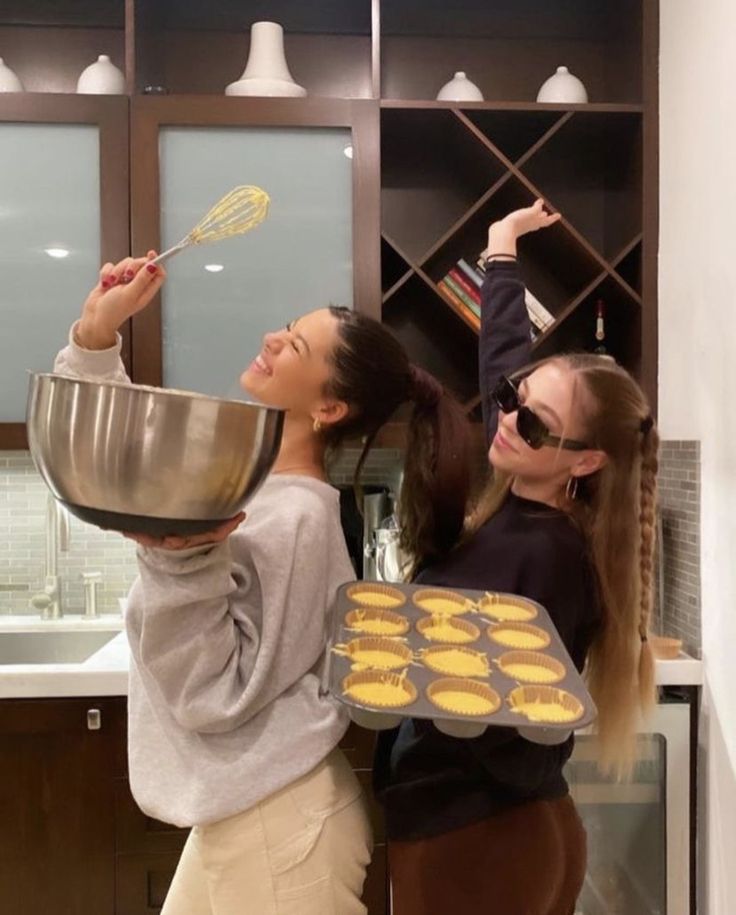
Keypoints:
(470, 288)
(462, 295)
(459, 304)
(475, 276)
(467, 293)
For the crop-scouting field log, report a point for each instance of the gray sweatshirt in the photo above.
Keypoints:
(227, 643)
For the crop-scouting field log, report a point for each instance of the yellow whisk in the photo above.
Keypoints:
(240, 210)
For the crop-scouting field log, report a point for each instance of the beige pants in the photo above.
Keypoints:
(302, 851)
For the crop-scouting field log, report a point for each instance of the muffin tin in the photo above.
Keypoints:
(466, 660)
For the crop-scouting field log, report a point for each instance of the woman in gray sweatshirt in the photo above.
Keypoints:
(228, 731)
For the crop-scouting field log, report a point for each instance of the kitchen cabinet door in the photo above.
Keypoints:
(56, 805)
(63, 208)
(219, 300)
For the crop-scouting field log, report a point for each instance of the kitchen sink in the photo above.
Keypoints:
(49, 647)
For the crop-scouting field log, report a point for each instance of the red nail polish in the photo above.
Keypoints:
(105, 283)
(129, 275)
(112, 279)
(151, 268)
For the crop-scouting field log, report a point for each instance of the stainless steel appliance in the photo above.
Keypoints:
(639, 832)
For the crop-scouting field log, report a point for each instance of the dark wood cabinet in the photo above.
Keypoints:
(429, 175)
(57, 842)
(73, 839)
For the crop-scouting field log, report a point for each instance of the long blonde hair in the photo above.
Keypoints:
(616, 511)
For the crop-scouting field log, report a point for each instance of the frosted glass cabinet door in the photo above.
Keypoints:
(49, 246)
(219, 300)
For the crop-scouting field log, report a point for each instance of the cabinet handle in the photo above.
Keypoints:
(94, 719)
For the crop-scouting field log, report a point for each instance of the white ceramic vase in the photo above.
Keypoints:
(9, 82)
(266, 72)
(563, 88)
(101, 78)
(460, 89)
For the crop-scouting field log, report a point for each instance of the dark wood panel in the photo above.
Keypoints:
(142, 881)
(326, 65)
(138, 834)
(86, 14)
(434, 336)
(331, 16)
(57, 839)
(52, 59)
(591, 171)
(432, 170)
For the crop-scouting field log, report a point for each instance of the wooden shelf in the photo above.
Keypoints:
(577, 330)
(604, 154)
(531, 107)
(394, 268)
(509, 50)
(436, 339)
(433, 170)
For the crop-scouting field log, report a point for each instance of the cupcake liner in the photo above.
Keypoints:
(506, 608)
(373, 621)
(450, 693)
(531, 667)
(372, 594)
(441, 601)
(514, 635)
(448, 629)
(403, 691)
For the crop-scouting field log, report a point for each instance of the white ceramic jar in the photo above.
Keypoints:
(460, 89)
(101, 78)
(9, 81)
(266, 73)
(563, 89)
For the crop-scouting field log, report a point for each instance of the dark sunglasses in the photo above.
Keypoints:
(530, 427)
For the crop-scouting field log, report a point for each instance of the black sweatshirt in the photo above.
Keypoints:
(430, 783)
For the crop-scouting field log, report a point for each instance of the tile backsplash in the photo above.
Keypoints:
(23, 498)
(679, 500)
(23, 546)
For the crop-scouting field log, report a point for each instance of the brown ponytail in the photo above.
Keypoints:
(371, 372)
(436, 474)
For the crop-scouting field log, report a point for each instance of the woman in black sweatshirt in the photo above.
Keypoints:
(486, 825)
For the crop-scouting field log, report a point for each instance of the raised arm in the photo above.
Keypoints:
(505, 342)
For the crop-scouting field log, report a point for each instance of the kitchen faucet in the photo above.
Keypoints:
(48, 601)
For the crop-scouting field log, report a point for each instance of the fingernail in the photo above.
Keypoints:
(112, 279)
(128, 276)
(151, 268)
(106, 283)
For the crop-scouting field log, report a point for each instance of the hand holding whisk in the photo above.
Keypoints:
(239, 211)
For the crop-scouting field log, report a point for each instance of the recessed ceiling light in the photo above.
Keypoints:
(214, 268)
(57, 252)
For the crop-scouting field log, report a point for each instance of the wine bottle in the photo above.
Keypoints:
(600, 329)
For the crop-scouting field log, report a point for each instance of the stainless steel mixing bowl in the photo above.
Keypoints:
(148, 460)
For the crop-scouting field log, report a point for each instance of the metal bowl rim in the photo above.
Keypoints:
(151, 389)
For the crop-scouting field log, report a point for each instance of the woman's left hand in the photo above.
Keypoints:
(173, 542)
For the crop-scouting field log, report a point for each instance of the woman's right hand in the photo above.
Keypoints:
(173, 542)
(122, 291)
(503, 235)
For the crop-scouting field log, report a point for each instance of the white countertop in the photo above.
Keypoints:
(105, 673)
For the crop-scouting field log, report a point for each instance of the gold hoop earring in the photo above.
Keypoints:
(316, 425)
(571, 490)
